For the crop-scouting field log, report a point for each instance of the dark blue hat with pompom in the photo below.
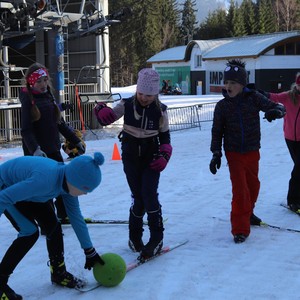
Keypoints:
(84, 173)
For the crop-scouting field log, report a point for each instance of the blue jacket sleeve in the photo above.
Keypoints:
(77, 220)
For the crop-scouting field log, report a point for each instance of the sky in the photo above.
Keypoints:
(197, 206)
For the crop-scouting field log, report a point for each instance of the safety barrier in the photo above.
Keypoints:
(186, 117)
(180, 118)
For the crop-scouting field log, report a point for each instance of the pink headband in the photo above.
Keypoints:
(37, 74)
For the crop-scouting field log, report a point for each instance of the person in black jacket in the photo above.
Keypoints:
(146, 150)
(236, 123)
(42, 123)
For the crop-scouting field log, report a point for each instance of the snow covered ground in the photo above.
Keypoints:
(197, 206)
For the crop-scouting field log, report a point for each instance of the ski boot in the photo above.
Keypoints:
(60, 276)
(152, 248)
(6, 293)
(254, 220)
(135, 242)
(239, 238)
(155, 244)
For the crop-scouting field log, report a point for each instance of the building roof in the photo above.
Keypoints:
(246, 46)
(171, 54)
(205, 46)
(249, 46)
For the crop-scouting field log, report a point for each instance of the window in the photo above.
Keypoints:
(288, 49)
(198, 61)
(298, 48)
(279, 50)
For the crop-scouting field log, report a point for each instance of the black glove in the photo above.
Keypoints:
(215, 162)
(64, 106)
(91, 258)
(273, 114)
(81, 148)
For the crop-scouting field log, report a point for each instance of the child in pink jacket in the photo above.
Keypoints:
(291, 126)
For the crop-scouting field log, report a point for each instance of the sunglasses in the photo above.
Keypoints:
(234, 68)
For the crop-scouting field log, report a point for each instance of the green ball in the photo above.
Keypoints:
(112, 272)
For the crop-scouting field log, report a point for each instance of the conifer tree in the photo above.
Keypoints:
(188, 21)
(214, 27)
(266, 17)
(153, 26)
(170, 19)
(248, 10)
(238, 23)
(229, 18)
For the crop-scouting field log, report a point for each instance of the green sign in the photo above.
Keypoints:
(176, 75)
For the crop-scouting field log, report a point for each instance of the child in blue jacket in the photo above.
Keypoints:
(35, 180)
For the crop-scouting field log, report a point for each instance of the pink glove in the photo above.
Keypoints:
(105, 115)
(160, 162)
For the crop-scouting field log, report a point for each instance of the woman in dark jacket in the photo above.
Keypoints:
(42, 123)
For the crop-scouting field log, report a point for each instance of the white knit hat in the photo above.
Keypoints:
(148, 82)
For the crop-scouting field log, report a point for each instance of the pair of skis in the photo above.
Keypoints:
(264, 224)
(98, 221)
(133, 265)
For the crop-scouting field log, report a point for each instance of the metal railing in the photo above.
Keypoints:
(186, 117)
(180, 118)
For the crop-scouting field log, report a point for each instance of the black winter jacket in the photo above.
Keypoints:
(237, 121)
(144, 128)
(46, 131)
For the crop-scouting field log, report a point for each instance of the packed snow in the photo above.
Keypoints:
(196, 206)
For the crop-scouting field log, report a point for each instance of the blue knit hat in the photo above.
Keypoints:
(83, 172)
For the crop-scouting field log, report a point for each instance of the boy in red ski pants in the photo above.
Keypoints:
(236, 124)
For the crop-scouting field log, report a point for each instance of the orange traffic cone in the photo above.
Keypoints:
(116, 154)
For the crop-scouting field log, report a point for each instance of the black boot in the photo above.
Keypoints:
(155, 244)
(239, 238)
(295, 208)
(60, 276)
(6, 293)
(135, 242)
(254, 220)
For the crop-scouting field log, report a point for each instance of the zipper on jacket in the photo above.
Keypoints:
(143, 121)
(242, 126)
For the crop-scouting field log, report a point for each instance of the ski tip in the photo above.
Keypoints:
(262, 223)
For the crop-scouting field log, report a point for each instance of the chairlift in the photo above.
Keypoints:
(99, 97)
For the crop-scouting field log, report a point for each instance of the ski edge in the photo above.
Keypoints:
(113, 222)
(164, 250)
(287, 207)
(133, 265)
(266, 225)
(96, 221)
